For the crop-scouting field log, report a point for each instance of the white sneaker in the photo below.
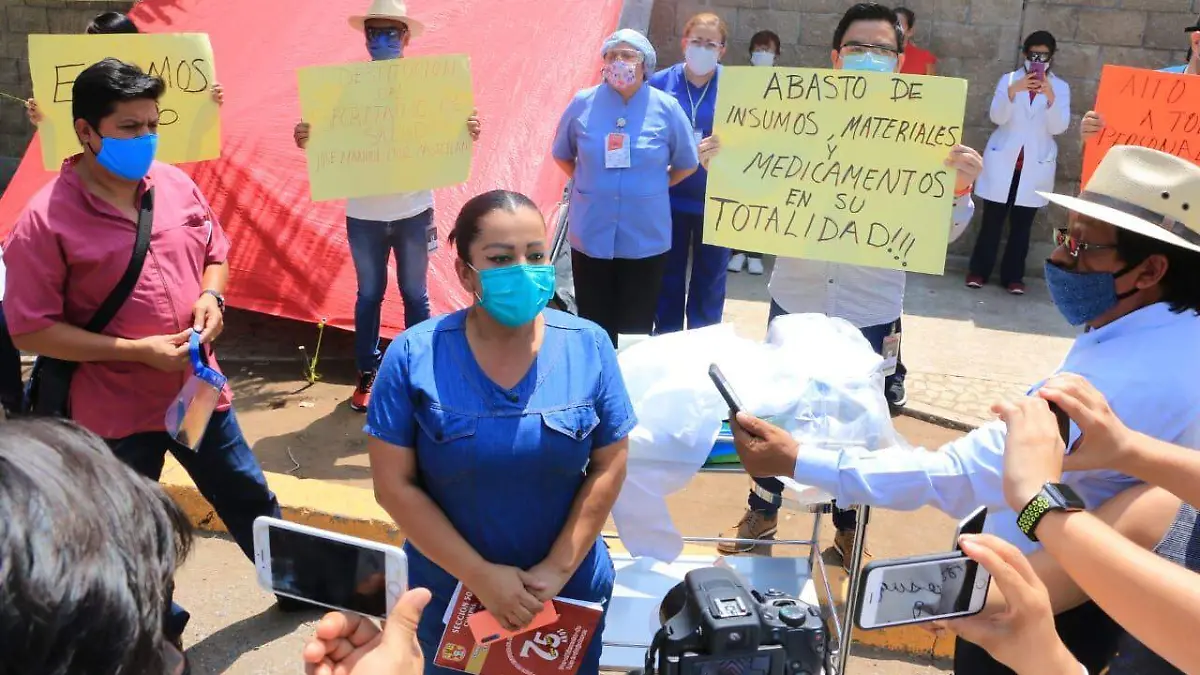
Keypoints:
(754, 266)
(736, 262)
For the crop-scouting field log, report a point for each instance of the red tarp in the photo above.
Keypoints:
(290, 257)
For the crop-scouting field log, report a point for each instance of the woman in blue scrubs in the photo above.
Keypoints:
(699, 297)
(499, 434)
(625, 144)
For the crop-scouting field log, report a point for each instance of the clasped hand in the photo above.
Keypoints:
(515, 596)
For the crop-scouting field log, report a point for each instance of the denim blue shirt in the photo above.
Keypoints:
(623, 213)
(699, 104)
(504, 465)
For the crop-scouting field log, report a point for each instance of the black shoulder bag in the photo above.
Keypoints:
(50, 381)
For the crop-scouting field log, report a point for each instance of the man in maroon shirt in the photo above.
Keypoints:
(66, 253)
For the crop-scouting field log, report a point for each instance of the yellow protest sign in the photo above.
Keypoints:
(189, 124)
(835, 165)
(387, 126)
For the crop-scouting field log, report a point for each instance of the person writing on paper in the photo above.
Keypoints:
(109, 23)
(65, 255)
(1093, 122)
(1127, 268)
(379, 225)
(499, 433)
(625, 144)
(1030, 107)
(764, 53)
(694, 298)
(868, 38)
(1156, 600)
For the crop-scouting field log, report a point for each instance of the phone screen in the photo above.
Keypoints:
(328, 572)
(909, 593)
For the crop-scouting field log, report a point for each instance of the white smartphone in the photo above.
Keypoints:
(920, 589)
(329, 569)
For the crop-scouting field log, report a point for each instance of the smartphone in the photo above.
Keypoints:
(972, 524)
(1038, 70)
(486, 629)
(920, 589)
(328, 569)
(1064, 424)
(718, 378)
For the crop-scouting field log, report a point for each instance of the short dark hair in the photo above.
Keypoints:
(1041, 38)
(1181, 283)
(107, 23)
(466, 226)
(101, 86)
(88, 550)
(867, 11)
(765, 37)
(910, 17)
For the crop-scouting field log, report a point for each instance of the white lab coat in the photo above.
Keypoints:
(1022, 123)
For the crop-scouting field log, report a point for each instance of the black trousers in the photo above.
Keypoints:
(621, 294)
(991, 227)
(1087, 632)
(12, 388)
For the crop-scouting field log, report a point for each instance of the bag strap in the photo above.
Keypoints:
(141, 245)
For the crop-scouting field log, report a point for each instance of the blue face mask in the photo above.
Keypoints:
(516, 294)
(128, 158)
(1082, 297)
(869, 61)
(385, 47)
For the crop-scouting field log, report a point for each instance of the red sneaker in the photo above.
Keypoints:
(362, 393)
(974, 281)
(1016, 288)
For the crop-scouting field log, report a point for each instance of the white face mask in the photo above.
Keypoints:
(701, 60)
(762, 59)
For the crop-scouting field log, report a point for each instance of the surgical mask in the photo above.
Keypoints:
(516, 294)
(869, 61)
(701, 60)
(1082, 297)
(385, 48)
(762, 59)
(128, 158)
(620, 73)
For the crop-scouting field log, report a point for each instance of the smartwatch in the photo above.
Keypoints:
(220, 299)
(1052, 497)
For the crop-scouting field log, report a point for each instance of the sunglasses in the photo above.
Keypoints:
(389, 33)
(1074, 247)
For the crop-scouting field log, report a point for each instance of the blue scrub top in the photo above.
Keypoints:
(1174, 69)
(504, 465)
(623, 213)
(699, 103)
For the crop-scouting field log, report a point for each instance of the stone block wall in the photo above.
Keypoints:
(978, 40)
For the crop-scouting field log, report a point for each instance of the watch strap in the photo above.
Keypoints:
(220, 298)
(1032, 514)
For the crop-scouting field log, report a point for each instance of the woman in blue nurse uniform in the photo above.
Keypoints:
(499, 434)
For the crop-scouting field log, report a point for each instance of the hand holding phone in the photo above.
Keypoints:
(1064, 424)
(921, 589)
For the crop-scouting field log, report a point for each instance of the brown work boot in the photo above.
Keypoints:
(753, 525)
(843, 543)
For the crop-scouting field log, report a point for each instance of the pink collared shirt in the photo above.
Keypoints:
(65, 254)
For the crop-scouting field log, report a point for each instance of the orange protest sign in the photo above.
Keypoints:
(1149, 108)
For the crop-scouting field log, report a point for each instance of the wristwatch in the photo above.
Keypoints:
(220, 298)
(1053, 497)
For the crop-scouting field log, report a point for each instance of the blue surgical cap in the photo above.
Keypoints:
(636, 40)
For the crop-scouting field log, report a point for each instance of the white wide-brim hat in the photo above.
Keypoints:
(1145, 191)
(396, 10)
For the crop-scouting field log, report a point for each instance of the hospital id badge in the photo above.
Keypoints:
(431, 239)
(699, 136)
(891, 354)
(616, 155)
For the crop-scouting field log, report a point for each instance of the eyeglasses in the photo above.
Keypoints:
(1074, 247)
(1039, 57)
(390, 33)
(706, 44)
(626, 55)
(864, 48)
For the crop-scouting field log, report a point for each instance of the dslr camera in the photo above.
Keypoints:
(713, 625)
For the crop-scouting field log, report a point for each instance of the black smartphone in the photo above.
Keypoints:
(718, 378)
(1064, 424)
(972, 524)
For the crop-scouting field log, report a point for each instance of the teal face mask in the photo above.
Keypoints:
(516, 294)
(869, 61)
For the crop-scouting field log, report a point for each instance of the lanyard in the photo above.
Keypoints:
(199, 368)
(696, 104)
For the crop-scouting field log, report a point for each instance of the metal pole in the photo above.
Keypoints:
(853, 580)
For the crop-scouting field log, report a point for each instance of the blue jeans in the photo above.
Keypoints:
(371, 244)
(224, 470)
(12, 389)
(705, 292)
